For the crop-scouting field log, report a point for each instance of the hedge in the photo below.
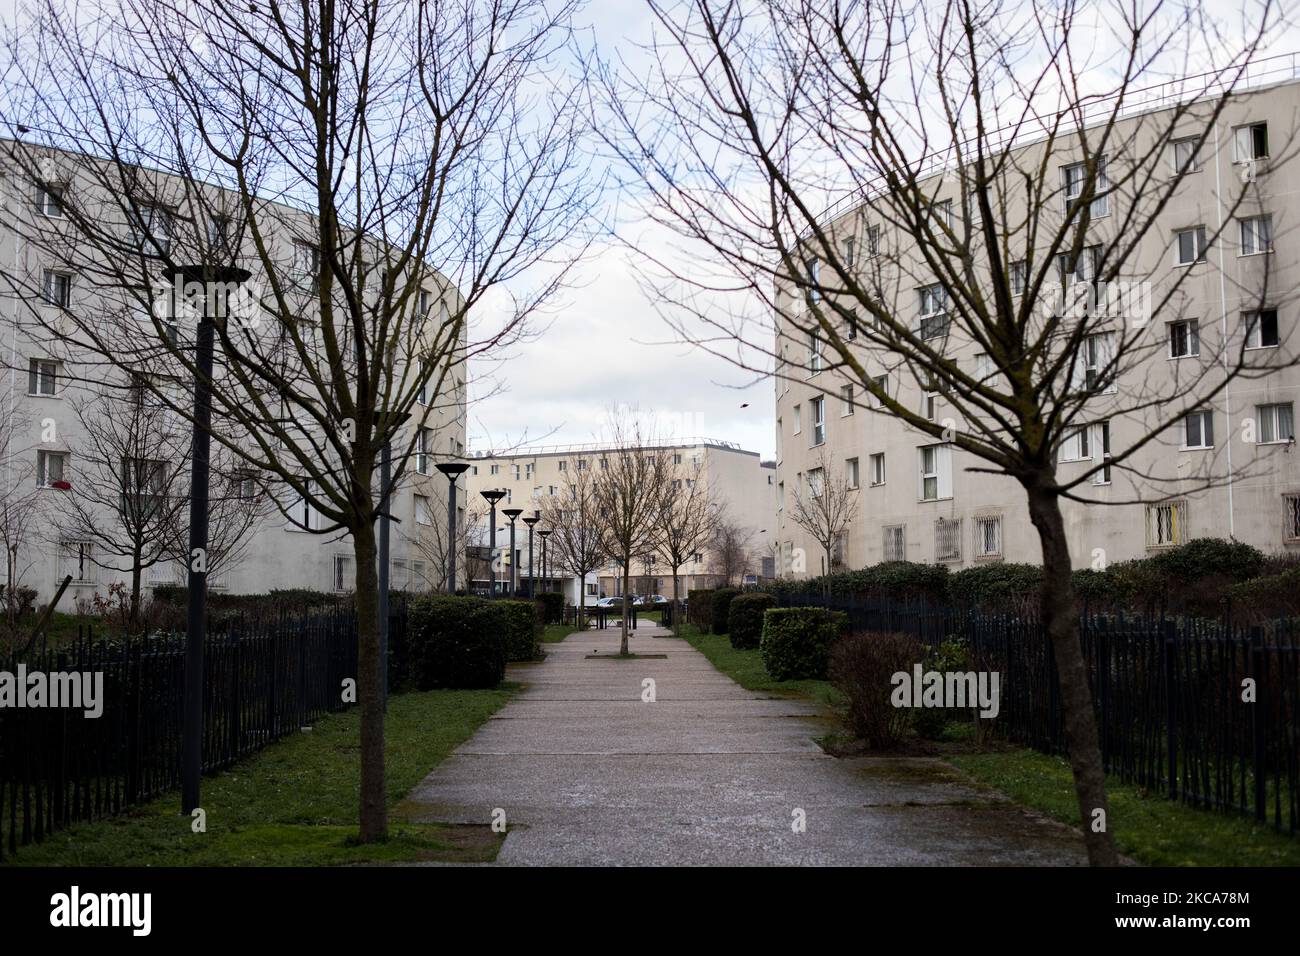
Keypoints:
(999, 585)
(552, 606)
(523, 630)
(456, 642)
(745, 618)
(721, 605)
(699, 608)
(796, 641)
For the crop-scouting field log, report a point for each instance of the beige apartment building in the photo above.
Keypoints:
(50, 384)
(743, 484)
(917, 498)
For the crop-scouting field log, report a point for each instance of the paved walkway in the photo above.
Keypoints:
(710, 773)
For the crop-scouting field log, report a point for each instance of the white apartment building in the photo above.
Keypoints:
(50, 384)
(917, 498)
(743, 484)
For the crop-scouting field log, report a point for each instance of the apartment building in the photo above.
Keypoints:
(743, 484)
(917, 497)
(59, 401)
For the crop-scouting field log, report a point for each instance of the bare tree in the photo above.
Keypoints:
(826, 509)
(129, 497)
(20, 513)
(987, 173)
(688, 516)
(429, 537)
(577, 543)
(628, 495)
(380, 168)
(729, 550)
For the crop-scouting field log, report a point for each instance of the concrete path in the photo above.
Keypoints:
(710, 773)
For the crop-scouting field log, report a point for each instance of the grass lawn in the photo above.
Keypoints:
(746, 668)
(554, 633)
(1150, 828)
(295, 803)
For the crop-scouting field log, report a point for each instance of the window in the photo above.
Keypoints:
(878, 468)
(1275, 423)
(424, 451)
(1082, 269)
(934, 305)
(819, 420)
(1198, 430)
(851, 472)
(1098, 363)
(816, 482)
(1075, 445)
(42, 377)
(814, 354)
(51, 466)
(144, 478)
(848, 250)
(1250, 142)
(1191, 245)
(423, 303)
(936, 472)
(1256, 235)
(345, 575)
(846, 400)
(1019, 276)
(881, 383)
(1184, 339)
(1166, 524)
(984, 367)
(1261, 329)
(49, 201)
(153, 229)
(243, 486)
(942, 212)
(493, 469)
(561, 465)
(77, 559)
(873, 240)
(219, 233)
(1074, 177)
(988, 536)
(56, 288)
(306, 262)
(930, 405)
(895, 544)
(1291, 517)
(423, 513)
(1101, 446)
(851, 326)
(813, 268)
(798, 419)
(947, 539)
(1183, 154)
(528, 469)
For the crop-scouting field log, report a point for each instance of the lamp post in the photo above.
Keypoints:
(512, 514)
(214, 283)
(453, 470)
(530, 521)
(545, 533)
(493, 496)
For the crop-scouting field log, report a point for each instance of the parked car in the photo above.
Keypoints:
(609, 602)
(659, 599)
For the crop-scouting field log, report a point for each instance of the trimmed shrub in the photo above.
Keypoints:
(456, 642)
(1000, 585)
(931, 722)
(796, 641)
(699, 608)
(523, 630)
(1259, 600)
(721, 603)
(862, 666)
(552, 603)
(745, 618)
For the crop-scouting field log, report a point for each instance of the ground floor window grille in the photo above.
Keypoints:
(988, 536)
(1166, 524)
(947, 539)
(896, 543)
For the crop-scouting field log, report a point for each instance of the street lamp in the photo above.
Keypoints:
(531, 577)
(545, 533)
(493, 496)
(453, 470)
(214, 282)
(512, 514)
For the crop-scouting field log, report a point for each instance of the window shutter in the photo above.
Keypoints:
(943, 462)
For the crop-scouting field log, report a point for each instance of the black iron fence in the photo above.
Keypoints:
(265, 677)
(1206, 712)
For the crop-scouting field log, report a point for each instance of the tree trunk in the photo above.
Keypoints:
(627, 576)
(133, 617)
(1078, 718)
(370, 687)
(582, 603)
(677, 606)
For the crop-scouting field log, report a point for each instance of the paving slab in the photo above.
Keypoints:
(589, 773)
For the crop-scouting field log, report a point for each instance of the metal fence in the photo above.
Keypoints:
(265, 677)
(1201, 711)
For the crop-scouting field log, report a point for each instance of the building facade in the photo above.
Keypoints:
(919, 500)
(60, 402)
(741, 483)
